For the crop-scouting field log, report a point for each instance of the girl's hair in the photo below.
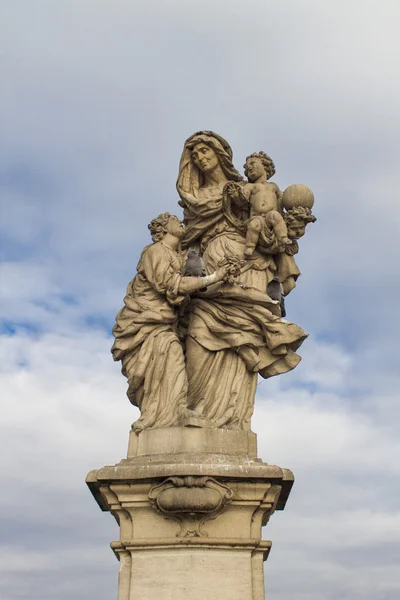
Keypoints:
(158, 227)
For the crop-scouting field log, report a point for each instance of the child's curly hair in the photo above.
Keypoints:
(158, 227)
(266, 160)
(299, 214)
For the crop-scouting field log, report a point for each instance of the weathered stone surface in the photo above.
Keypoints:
(198, 325)
(191, 440)
(201, 320)
(190, 520)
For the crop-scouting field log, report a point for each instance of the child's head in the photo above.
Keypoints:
(257, 161)
(163, 224)
(296, 220)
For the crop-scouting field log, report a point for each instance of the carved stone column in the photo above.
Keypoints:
(191, 504)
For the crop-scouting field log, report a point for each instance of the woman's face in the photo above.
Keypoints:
(204, 157)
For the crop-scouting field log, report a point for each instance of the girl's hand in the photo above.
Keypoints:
(222, 273)
(230, 268)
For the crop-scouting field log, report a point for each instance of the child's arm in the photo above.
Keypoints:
(278, 194)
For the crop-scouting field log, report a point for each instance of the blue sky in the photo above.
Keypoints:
(98, 98)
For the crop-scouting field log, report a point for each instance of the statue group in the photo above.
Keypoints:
(203, 317)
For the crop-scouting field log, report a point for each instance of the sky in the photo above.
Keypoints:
(97, 99)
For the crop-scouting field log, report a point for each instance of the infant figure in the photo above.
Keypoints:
(264, 200)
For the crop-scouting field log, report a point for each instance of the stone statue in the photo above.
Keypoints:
(147, 332)
(192, 344)
(201, 320)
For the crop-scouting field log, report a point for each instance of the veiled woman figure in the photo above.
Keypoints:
(146, 329)
(235, 331)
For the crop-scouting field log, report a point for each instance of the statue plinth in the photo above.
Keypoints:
(191, 503)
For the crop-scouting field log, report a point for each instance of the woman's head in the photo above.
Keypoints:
(215, 148)
(204, 157)
(163, 224)
(203, 151)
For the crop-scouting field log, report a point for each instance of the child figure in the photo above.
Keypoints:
(264, 200)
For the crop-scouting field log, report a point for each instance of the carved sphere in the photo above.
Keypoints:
(296, 195)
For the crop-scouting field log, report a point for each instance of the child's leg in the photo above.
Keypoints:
(253, 231)
(275, 219)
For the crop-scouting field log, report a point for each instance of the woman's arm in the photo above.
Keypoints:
(189, 285)
(167, 280)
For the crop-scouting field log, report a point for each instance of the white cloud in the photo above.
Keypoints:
(69, 411)
(97, 102)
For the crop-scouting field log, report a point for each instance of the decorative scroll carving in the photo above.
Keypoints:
(191, 501)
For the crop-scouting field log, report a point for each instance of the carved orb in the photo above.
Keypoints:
(296, 195)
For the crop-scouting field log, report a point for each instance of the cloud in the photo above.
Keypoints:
(70, 411)
(97, 102)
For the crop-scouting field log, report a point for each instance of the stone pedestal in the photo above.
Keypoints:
(191, 503)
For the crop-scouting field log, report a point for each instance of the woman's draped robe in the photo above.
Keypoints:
(147, 342)
(235, 331)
